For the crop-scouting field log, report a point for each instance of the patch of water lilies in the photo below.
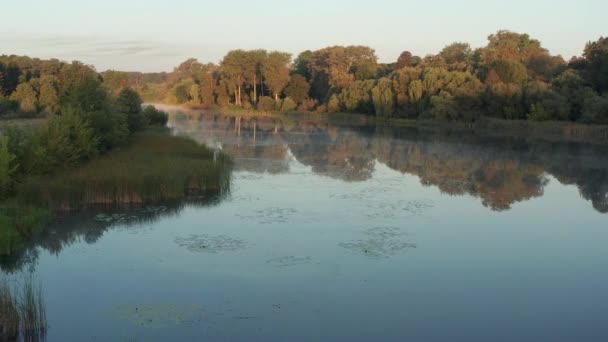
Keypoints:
(290, 261)
(381, 242)
(210, 244)
(160, 315)
(271, 215)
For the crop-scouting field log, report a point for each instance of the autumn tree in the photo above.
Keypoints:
(48, 97)
(511, 46)
(27, 97)
(406, 59)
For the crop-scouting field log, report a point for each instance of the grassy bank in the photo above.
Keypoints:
(154, 168)
(546, 130)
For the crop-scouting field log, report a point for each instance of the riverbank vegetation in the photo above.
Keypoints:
(512, 78)
(22, 312)
(95, 147)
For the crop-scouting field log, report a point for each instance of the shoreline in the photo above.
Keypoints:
(559, 131)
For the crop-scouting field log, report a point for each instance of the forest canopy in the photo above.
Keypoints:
(513, 77)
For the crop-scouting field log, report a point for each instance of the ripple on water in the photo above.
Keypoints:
(381, 242)
(210, 244)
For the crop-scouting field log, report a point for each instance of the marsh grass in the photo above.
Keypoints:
(22, 316)
(155, 168)
(9, 314)
(32, 311)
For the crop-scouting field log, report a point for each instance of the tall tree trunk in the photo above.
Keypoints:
(255, 89)
(239, 95)
(276, 97)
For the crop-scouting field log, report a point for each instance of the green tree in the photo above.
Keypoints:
(596, 55)
(457, 56)
(510, 71)
(335, 67)
(288, 105)
(8, 167)
(275, 70)
(66, 140)
(383, 98)
(195, 94)
(129, 102)
(297, 88)
(233, 71)
(301, 65)
(48, 98)
(595, 110)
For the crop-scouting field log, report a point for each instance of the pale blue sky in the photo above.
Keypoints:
(155, 35)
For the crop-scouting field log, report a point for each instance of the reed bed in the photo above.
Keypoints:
(155, 168)
(22, 312)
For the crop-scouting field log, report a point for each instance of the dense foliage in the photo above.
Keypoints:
(83, 121)
(512, 77)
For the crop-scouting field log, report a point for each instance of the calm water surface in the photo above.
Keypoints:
(344, 233)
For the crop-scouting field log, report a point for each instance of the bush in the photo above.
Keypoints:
(308, 105)
(8, 106)
(66, 140)
(333, 106)
(8, 167)
(595, 110)
(266, 104)
(155, 117)
(288, 105)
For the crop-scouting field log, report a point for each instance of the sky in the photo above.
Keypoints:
(157, 35)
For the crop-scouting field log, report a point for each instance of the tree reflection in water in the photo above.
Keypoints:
(498, 171)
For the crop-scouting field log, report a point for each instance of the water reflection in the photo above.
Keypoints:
(498, 171)
(91, 224)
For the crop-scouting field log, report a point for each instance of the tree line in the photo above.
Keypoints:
(513, 77)
(83, 119)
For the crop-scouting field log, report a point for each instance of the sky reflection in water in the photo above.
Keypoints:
(348, 233)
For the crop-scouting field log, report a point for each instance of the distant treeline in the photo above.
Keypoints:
(512, 77)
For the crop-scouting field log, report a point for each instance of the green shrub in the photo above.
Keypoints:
(288, 105)
(155, 117)
(129, 102)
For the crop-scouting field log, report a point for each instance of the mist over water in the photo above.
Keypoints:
(343, 232)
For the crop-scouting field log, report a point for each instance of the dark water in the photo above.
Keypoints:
(344, 233)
